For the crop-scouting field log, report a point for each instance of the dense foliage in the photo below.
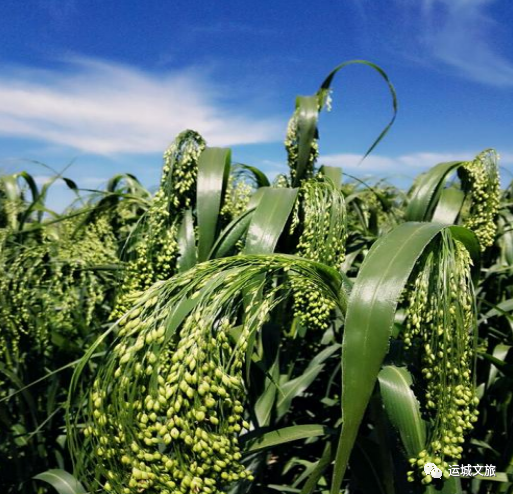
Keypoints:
(317, 334)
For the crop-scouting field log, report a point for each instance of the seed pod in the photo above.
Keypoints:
(198, 431)
(481, 181)
(434, 304)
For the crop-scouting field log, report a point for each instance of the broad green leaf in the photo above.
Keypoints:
(287, 435)
(213, 171)
(427, 190)
(370, 318)
(186, 242)
(269, 220)
(449, 205)
(255, 199)
(307, 115)
(402, 408)
(505, 223)
(62, 481)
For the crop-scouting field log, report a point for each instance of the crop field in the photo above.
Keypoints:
(231, 334)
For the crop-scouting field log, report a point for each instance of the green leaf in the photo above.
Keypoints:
(324, 355)
(427, 190)
(132, 185)
(503, 308)
(255, 199)
(326, 85)
(504, 367)
(269, 220)
(307, 116)
(62, 481)
(323, 463)
(231, 235)
(213, 171)
(449, 206)
(370, 318)
(259, 176)
(287, 435)
(70, 183)
(297, 386)
(500, 352)
(264, 406)
(450, 486)
(186, 243)
(267, 225)
(505, 223)
(402, 408)
(283, 488)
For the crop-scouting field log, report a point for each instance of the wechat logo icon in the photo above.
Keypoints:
(433, 470)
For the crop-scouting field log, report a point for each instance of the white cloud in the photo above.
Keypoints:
(461, 33)
(106, 108)
(405, 164)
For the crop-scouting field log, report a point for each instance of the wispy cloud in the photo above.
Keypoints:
(407, 164)
(105, 108)
(59, 11)
(231, 27)
(463, 34)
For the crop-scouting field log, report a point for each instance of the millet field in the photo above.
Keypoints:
(230, 334)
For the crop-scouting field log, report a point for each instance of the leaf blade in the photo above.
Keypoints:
(62, 481)
(213, 171)
(403, 408)
(288, 434)
(269, 220)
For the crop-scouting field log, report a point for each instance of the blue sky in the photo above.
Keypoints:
(108, 84)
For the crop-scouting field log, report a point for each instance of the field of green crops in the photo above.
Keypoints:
(228, 333)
